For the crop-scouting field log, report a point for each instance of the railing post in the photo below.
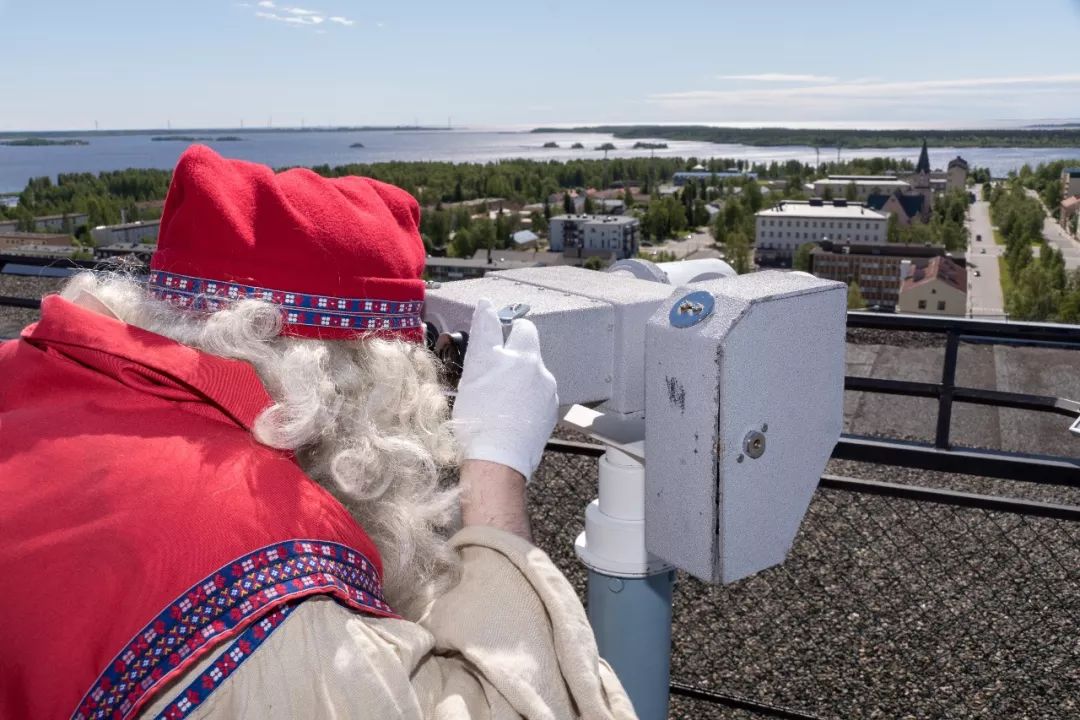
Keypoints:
(948, 384)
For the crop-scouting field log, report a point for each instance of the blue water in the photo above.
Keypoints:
(278, 149)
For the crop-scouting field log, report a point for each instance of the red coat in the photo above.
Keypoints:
(142, 525)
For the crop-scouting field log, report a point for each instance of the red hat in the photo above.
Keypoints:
(341, 256)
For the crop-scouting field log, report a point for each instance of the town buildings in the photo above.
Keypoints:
(7, 226)
(1070, 182)
(582, 236)
(779, 231)
(1070, 199)
(11, 239)
(910, 199)
(836, 186)
(65, 222)
(876, 269)
(937, 288)
(126, 233)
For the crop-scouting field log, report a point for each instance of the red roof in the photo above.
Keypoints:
(939, 268)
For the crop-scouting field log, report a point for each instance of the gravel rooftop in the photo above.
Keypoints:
(886, 608)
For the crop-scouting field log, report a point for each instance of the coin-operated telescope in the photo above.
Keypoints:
(719, 398)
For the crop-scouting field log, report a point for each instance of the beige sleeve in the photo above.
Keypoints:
(517, 620)
(510, 641)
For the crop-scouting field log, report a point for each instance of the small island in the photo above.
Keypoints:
(551, 144)
(41, 142)
(357, 145)
(577, 146)
(639, 145)
(192, 138)
(605, 147)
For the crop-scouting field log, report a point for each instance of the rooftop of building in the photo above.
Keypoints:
(827, 247)
(598, 219)
(912, 205)
(882, 182)
(130, 225)
(61, 216)
(939, 268)
(825, 209)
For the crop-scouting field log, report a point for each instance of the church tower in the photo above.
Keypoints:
(920, 181)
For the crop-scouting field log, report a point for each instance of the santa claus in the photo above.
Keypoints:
(224, 487)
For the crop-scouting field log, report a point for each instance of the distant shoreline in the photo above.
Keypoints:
(160, 132)
(1065, 135)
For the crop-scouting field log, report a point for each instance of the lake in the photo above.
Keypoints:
(278, 149)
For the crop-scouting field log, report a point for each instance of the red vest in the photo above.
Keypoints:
(142, 526)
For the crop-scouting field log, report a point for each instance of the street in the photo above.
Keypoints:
(985, 299)
(684, 249)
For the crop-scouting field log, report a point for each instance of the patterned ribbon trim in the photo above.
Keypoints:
(223, 605)
(196, 293)
(210, 679)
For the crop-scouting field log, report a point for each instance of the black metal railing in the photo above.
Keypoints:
(941, 454)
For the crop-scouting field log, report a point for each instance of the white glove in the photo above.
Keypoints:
(506, 403)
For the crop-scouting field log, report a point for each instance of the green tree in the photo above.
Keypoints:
(828, 194)
(628, 197)
(987, 189)
(568, 203)
(892, 229)
(738, 252)
(590, 206)
(851, 192)
(854, 297)
(594, 263)
(802, 257)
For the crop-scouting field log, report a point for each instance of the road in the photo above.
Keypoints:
(681, 247)
(1053, 234)
(985, 298)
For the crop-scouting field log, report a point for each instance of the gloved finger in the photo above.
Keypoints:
(486, 330)
(524, 338)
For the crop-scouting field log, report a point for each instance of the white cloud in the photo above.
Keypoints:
(780, 78)
(298, 16)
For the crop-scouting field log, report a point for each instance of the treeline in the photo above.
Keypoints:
(1045, 179)
(1035, 288)
(816, 137)
(103, 197)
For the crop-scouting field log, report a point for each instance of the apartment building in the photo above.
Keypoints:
(779, 231)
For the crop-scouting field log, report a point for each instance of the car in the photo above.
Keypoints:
(978, 238)
(978, 274)
(982, 251)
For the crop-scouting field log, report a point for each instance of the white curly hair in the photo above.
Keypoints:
(367, 420)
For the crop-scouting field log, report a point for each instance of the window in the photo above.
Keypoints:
(940, 305)
(922, 304)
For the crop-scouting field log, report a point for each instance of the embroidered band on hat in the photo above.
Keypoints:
(298, 310)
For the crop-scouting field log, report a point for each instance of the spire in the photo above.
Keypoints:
(923, 166)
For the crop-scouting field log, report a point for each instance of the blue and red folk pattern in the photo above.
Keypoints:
(223, 605)
(361, 314)
(210, 679)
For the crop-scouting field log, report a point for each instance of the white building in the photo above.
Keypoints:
(8, 225)
(865, 185)
(584, 235)
(126, 233)
(779, 231)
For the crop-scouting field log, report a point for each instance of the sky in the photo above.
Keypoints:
(66, 64)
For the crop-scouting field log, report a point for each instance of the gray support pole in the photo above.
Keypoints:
(629, 593)
(631, 618)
